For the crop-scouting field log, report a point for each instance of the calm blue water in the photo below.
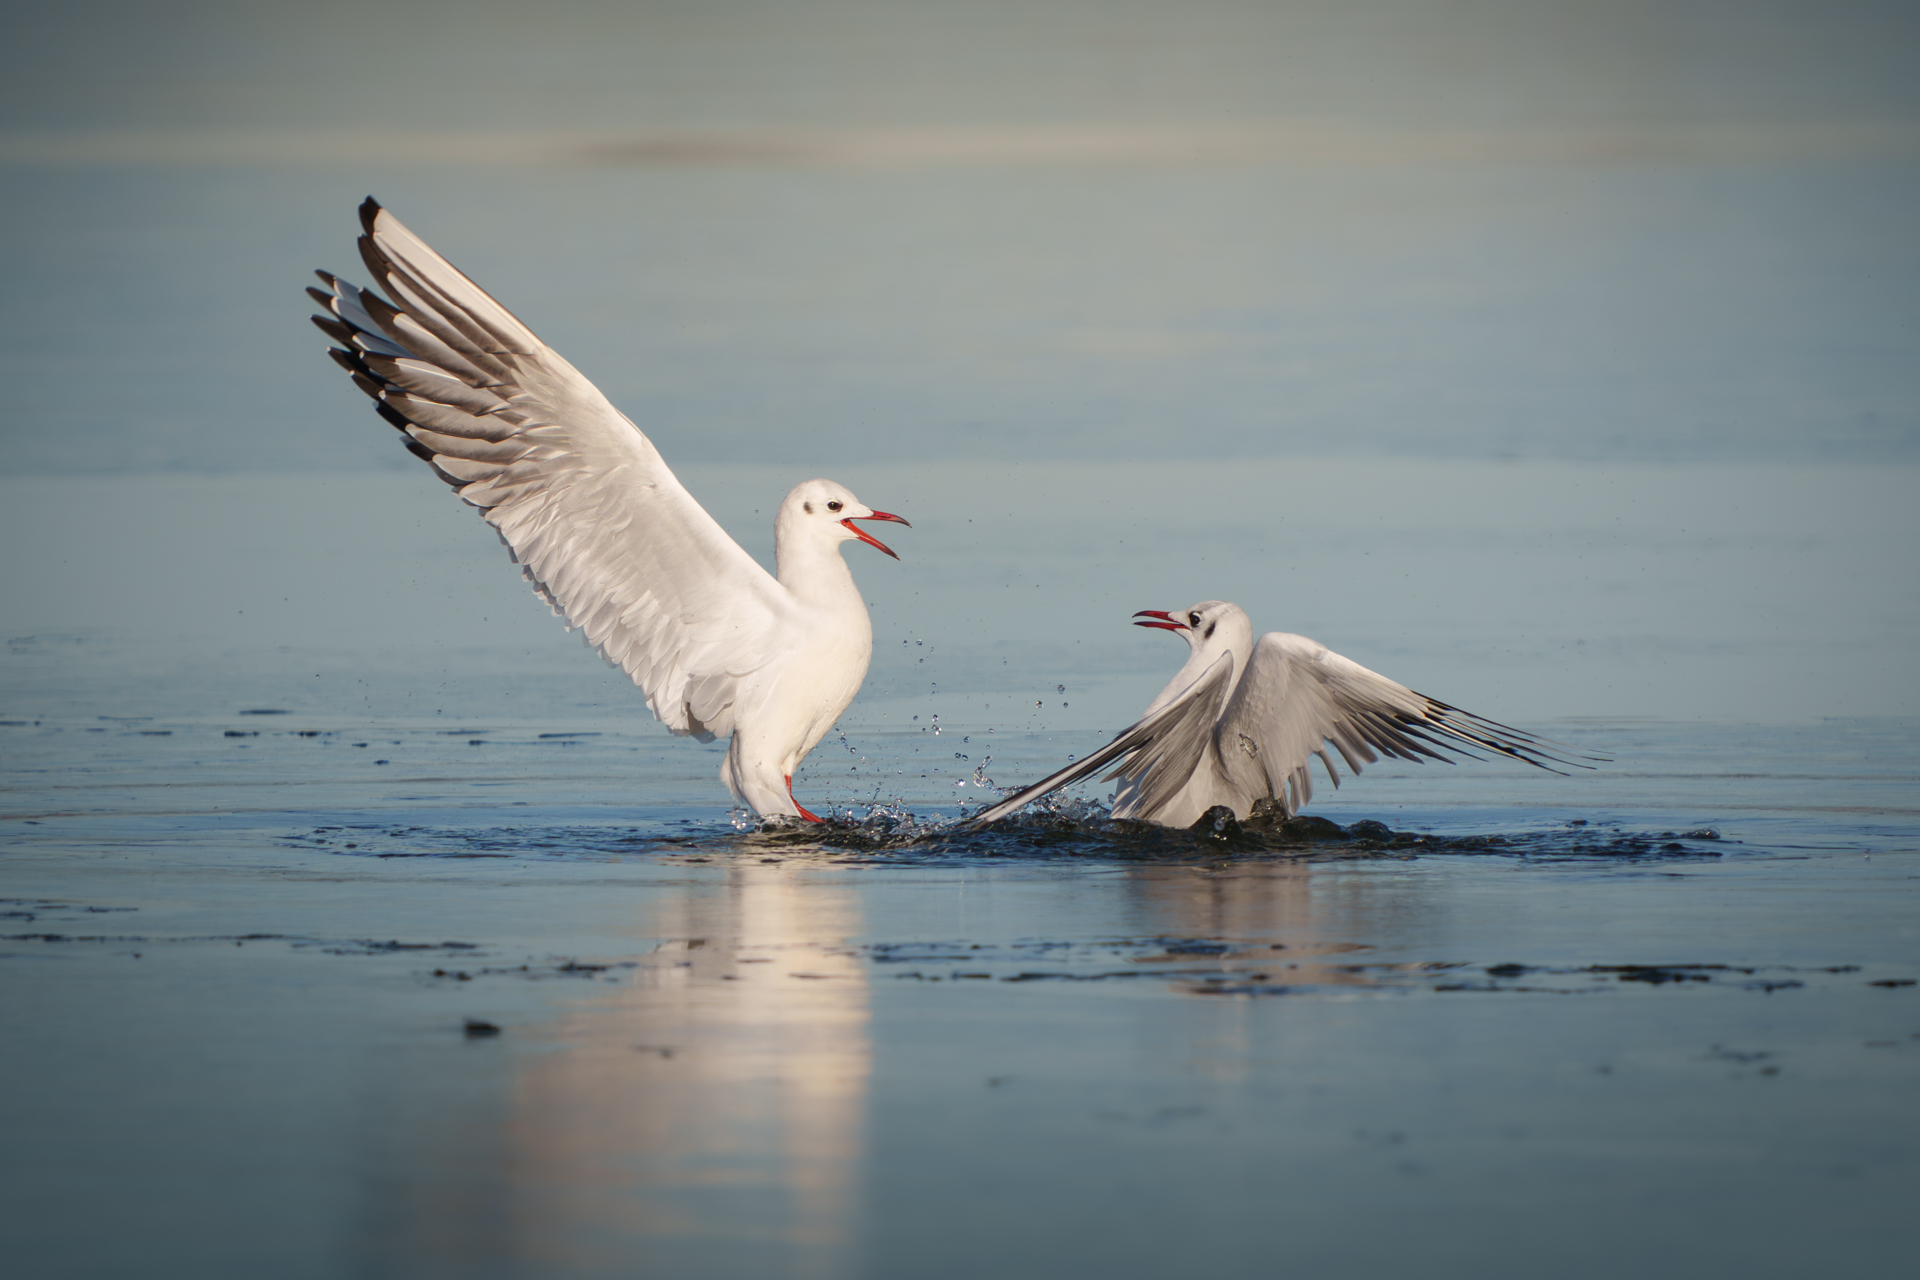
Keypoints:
(354, 920)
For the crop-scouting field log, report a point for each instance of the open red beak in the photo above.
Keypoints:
(1165, 620)
(868, 538)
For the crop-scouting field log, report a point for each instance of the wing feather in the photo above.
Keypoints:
(599, 524)
(1158, 753)
(1298, 696)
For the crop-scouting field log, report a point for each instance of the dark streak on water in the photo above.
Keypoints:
(1073, 829)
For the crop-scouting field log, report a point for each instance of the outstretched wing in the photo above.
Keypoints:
(599, 525)
(1298, 698)
(1159, 753)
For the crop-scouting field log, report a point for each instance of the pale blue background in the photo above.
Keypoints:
(1560, 360)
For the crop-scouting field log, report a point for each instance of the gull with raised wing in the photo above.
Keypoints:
(1242, 720)
(600, 526)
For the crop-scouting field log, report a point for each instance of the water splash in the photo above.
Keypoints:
(1084, 828)
(1057, 828)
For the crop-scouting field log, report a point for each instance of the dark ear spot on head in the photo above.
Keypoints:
(1210, 627)
(807, 507)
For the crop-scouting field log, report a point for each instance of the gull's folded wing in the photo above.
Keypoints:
(1298, 697)
(599, 525)
(1159, 753)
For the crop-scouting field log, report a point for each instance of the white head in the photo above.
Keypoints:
(1210, 627)
(820, 512)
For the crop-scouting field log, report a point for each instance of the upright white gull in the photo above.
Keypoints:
(1240, 722)
(600, 526)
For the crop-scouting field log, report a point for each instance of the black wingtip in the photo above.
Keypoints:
(394, 417)
(369, 210)
(340, 333)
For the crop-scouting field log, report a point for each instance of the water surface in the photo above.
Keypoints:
(1558, 363)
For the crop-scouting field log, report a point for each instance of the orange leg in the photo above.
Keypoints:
(796, 804)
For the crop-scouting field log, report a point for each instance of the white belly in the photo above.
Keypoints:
(788, 709)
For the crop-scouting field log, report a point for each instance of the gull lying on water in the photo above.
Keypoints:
(1240, 722)
(600, 526)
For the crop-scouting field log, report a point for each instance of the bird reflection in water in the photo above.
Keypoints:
(1254, 926)
(711, 1105)
(707, 1106)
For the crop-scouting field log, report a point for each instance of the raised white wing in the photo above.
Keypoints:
(1160, 752)
(1298, 697)
(599, 525)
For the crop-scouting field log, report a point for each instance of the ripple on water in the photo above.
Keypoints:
(1071, 828)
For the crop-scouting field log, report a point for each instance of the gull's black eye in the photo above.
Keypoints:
(835, 506)
(1193, 619)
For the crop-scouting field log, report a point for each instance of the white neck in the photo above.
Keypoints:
(817, 575)
(1235, 636)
